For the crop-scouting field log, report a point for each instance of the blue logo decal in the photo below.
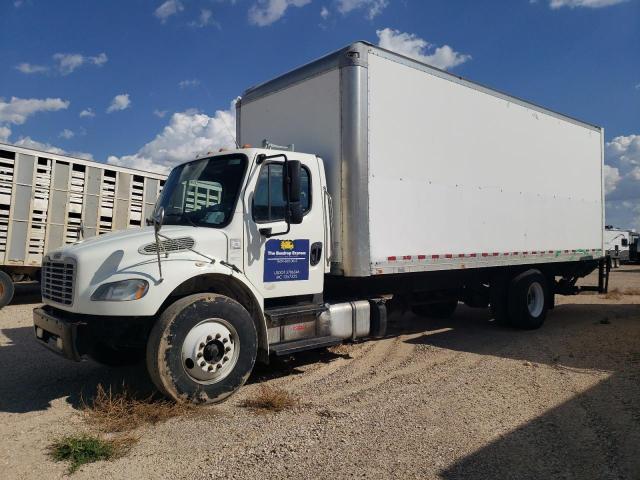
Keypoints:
(286, 260)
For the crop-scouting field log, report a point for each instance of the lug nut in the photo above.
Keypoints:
(210, 367)
(219, 366)
(227, 349)
(202, 364)
(225, 340)
(199, 354)
(225, 359)
(209, 338)
(201, 345)
(218, 335)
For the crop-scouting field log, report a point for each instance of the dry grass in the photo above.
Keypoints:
(122, 411)
(617, 294)
(84, 448)
(613, 294)
(271, 399)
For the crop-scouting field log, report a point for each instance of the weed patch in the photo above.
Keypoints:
(271, 399)
(122, 411)
(79, 450)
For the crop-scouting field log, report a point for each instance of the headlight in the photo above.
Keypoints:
(121, 291)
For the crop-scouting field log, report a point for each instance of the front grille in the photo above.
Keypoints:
(57, 278)
(169, 245)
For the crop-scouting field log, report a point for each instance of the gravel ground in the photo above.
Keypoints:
(452, 399)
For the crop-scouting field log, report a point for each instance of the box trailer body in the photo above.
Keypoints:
(46, 199)
(429, 171)
(402, 188)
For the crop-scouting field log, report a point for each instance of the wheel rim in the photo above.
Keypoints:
(210, 350)
(535, 299)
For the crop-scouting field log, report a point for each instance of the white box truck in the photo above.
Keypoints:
(48, 200)
(402, 187)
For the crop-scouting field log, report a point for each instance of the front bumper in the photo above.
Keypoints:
(58, 334)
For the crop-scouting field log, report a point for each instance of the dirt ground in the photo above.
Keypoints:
(462, 398)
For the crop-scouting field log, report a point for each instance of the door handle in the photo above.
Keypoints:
(316, 253)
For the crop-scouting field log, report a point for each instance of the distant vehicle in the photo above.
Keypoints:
(49, 200)
(418, 190)
(617, 243)
(634, 247)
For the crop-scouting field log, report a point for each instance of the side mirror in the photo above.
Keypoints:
(158, 218)
(294, 213)
(291, 181)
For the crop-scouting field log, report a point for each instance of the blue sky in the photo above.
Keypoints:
(155, 79)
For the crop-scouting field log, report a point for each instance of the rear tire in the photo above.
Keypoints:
(202, 348)
(7, 289)
(528, 300)
(436, 310)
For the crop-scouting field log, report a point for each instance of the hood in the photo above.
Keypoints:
(118, 252)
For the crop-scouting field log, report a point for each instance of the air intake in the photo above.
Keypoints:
(168, 246)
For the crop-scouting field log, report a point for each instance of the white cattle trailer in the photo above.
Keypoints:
(402, 187)
(46, 198)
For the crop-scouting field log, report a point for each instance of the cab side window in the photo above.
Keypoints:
(269, 202)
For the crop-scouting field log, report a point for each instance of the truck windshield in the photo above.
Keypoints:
(203, 192)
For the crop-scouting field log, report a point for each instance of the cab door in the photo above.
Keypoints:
(280, 263)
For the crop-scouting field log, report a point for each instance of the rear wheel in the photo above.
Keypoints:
(436, 310)
(528, 300)
(6, 289)
(202, 349)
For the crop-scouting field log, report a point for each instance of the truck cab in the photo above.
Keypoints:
(236, 237)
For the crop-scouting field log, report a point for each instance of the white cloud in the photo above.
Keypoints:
(611, 178)
(266, 12)
(28, 142)
(413, 46)
(160, 113)
(17, 110)
(188, 134)
(67, 134)
(29, 68)
(372, 8)
(622, 181)
(324, 13)
(87, 112)
(189, 83)
(5, 133)
(205, 19)
(119, 102)
(625, 150)
(167, 9)
(583, 3)
(66, 63)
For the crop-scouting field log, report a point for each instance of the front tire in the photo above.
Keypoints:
(202, 348)
(528, 300)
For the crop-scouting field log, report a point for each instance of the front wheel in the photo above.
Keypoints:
(202, 349)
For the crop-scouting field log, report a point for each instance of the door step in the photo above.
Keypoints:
(278, 314)
(305, 344)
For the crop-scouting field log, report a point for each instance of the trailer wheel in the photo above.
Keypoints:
(528, 300)
(7, 289)
(436, 310)
(202, 348)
